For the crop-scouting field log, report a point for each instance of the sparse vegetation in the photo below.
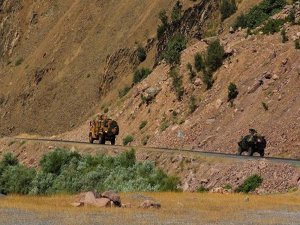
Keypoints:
(250, 184)
(63, 171)
(176, 12)
(174, 48)
(140, 74)
(19, 61)
(265, 106)
(124, 91)
(192, 73)
(141, 54)
(199, 62)
(272, 26)
(232, 92)
(143, 124)
(208, 79)
(292, 17)
(259, 14)
(164, 23)
(284, 36)
(202, 189)
(145, 140)
(164, 125)
(228, 7)
(192, 104)
(128, 139)
(177, 83)
(227, 187)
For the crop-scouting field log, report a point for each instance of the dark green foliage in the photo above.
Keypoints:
(272, 26)
(227, 187)
(232, 92)
(297, 44)
(124, 91)
(228, 7)
(192, 104)
(259, 13)
(250, 184)
(164, 125)
(127, 140)
(292, 17)
(202, 189)
(284, 36)
(140, 75)
(176, 12)
(199, 62)
(208, 79)
(9, 160)
(145, 140)
(164, 23)
(85, 173)
(19, 61)
(143, 124)
(53, 162)
(177, 83)
(214, 56)
(174, 48)
(141, 54)
(192, 73)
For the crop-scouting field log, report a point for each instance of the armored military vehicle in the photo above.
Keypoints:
(102, 130)
(252, 144)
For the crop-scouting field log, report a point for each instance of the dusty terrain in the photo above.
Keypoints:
(177, 208)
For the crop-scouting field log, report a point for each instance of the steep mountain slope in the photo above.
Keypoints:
(54, 54)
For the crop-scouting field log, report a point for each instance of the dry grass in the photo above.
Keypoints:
(188, 207)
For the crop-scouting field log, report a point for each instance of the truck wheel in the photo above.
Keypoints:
(240, 151)
(102, 140)
(91, 139)
(113, 141)
(250, 152)
(262, 153)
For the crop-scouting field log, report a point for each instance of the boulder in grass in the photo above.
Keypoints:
(89, 198)
(102, 202)
(77, 204)
(113, 196)
(149, 204)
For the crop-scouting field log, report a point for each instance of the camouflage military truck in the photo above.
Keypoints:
(252, 144)
(102, 130)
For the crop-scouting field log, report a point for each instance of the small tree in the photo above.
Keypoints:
(207, 79)
(232, 92)
(228, 7)
(127, 140)
(199, 63)
(284, 36)
(174, 48)
(176, 12)
(141, 54)
(140, 74)
(214, 56)
(164, 23)
(192, 73)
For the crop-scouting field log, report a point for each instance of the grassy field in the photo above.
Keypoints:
(177, 208)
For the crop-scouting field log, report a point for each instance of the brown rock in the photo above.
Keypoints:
(77, 204)
(113, 196)
(89, 198)
(150, 204)
(102, 202)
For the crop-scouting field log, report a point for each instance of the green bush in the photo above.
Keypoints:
(214, 56)
(145, 140)
(164, 23)
(143, 124)
(127, 140)
(284, 36)
(87, 173)
(176, 12)
(199, 63)
(272, 26)
(202, 189)
(292, 17)
(19, 61)
(141, 54)
(192, 104)
(124, 91)
(140, 74)
(227, 187)
(192, 73)
(259, 13)
(9, 160)
(250, 184)
(232, 92)
(208, 79)
(177, 83)
(164, 125)
(228, 7)
(297, 44)
(174, 48)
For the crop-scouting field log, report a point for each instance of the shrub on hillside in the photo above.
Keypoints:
(164, 23)
(140, 74)
(297, 44)
(214, 56)
(208, 79)
(199, 62)
(127, 140)
(284, 36)
(259, 13)
(177, 83)
(174, 48)
(141, 54)
(250, 184)
(228, 7)
(272, 26)
(232, 92)
(192, 104)
(176, 12)
(192, 73)
(124, 91)
(143, 124)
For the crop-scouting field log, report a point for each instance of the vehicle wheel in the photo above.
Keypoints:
(240, 151)
(250, 152)
(262, 154)
(102, 140)
(113, 141)
(91, 139)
